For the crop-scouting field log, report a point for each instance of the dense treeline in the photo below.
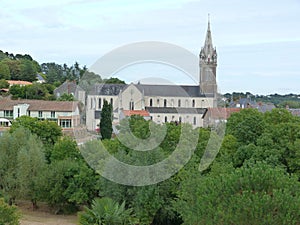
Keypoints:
(253, 180)
(280, 101)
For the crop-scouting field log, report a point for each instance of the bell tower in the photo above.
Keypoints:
(208, 66)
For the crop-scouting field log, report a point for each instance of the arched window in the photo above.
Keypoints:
(165, 102)
(179, 103)
(131, 105)
(151, 102)
(99, 103)
(195, 120)
(166, 119)
(193, 103)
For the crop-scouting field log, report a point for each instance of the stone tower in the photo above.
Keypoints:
(208, 66)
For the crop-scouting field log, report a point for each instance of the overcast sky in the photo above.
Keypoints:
(258, 41)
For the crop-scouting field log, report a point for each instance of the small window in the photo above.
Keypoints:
(52, 114)
(195, 120)
(180, 120)
(165, 102)
(179, 103)
(166, 119)
(151, 103)
(111, 102)
(18, 112)
(40, 114)
(158, 102)
(193, 103)
(28, 113)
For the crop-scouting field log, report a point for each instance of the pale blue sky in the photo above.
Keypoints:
(258, 41)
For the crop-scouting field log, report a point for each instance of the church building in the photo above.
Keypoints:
(160, 103)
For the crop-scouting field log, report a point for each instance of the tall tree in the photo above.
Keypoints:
(4, 71)
(106, 121)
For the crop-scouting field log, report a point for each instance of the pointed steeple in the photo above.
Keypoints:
(208, 65)
(208, 52)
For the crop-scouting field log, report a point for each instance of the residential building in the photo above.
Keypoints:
(65, 114)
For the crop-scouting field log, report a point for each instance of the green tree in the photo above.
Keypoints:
(4, 84)
(113, 80)
(246, 125)
(30, 162)
(66, 97)
(67, 184)
(28, 70)
(106, 211)
(10, 146)
(106, 121)
(8, 214)
(254, 194)
(4, 71)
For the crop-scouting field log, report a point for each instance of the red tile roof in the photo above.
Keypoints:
(18, 82)
(222, 113)
(136, 112)
(40, 105)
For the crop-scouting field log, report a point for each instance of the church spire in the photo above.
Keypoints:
(208, 64)
(208, 50)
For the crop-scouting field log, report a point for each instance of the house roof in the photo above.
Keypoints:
(295, 112)
(136, 112)
(40, 105)
(18, 82)
(174, 110)
(68, 87)
(221, 113)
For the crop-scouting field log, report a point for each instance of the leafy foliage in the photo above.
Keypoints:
(106, 211)
(106, 121)
(8, 214)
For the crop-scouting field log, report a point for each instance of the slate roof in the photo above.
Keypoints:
(68, 87)
(169, 90)
(149, 90)
(107, 89)
(174, 110)
(295, 112)
(40, 105)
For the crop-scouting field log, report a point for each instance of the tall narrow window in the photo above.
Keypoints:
(166, 119)
(52, 114)
(179, 103)
(151, 102)
(18, 112)
(195, 120)
(158, 102)
(131, 105)
(40, 114)
(193, 103)
(180, 120)
(111, 102)
(165, 102)
(99, 103)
